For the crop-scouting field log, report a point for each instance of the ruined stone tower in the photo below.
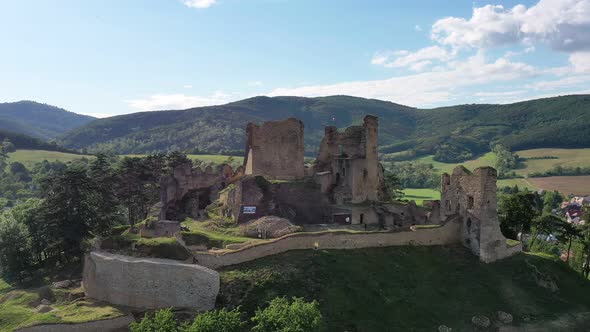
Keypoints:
(471, 199)
(348, 165)
(275, 149)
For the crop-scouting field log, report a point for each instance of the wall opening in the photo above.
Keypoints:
(362, 218)
(470, 202)
(365, 174)
(337, 178)
(469, 225)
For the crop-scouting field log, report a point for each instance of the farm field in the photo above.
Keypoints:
(419, 195)
(577, 185)
(565, 157)
(30, 157)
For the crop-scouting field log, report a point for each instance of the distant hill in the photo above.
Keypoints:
(39, 120)
(457, 131)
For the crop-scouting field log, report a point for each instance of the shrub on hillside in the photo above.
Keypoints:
(217, 321)
(162, 321)
(163, 248)
(283, 315)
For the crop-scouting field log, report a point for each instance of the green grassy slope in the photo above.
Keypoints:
(409, 288)
(16, 309)
(539, 123)
(30, 157)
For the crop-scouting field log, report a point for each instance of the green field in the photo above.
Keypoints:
(419, 195)
(566, 157)
(412, 288)
(30, 157)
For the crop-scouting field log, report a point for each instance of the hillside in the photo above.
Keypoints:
(413, 288)
(23, 141)
(464, 130)
(39, 120)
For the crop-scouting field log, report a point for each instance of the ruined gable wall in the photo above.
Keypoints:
(275, 149)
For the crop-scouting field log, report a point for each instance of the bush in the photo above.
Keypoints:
(163, 248)
(162, 321)
(217, 321)
(284, 316)
(15, 248)
(195, 239)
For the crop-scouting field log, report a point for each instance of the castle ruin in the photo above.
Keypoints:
(345, 185)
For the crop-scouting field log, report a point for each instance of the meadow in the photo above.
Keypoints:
(559, 157)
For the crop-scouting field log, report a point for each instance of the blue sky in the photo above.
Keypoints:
(105, 58)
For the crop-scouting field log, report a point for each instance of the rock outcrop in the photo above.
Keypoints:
(149, 283)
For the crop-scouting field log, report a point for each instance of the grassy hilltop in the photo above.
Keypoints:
(413, 288)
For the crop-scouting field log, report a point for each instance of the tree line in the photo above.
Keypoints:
(70, 204)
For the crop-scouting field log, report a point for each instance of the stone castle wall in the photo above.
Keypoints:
(472, 197)
(149, 283)
(448, 233)
(275, 149)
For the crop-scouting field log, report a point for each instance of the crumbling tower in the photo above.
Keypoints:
(471, 199)
(348, 165)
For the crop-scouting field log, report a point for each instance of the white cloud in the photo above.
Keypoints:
(199, 3)
(580, 62)
(424, 89)
(562, 24)
(416, 61)
(177, 101)
(187, 86)
(417, 27)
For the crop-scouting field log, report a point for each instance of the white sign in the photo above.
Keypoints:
(249, 210)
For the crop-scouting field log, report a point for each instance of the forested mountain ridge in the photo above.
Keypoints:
(460, 130)
(39, 120)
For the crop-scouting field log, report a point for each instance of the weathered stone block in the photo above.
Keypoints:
(149, 283)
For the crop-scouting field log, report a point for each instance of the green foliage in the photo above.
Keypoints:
(217, 321)
(15, 248)
(283, 315)
(450, 153)
(415, 175)
(516, 213)
(505, 160)
(162, 321)
(562, 171)
(164, 248)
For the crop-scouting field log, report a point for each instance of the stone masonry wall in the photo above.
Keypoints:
(275, 149)
(444, 234)
(472, 197)
(149, 283)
